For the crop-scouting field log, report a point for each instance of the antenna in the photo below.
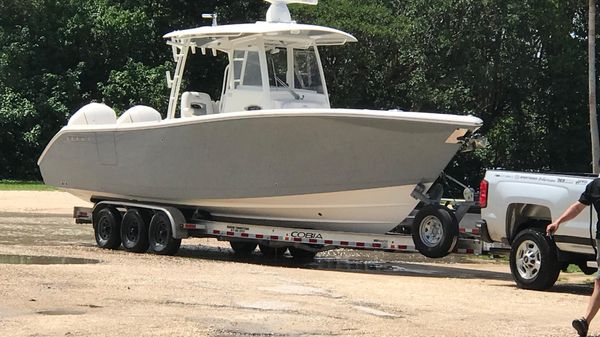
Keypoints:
(212, 16)
(279, 12)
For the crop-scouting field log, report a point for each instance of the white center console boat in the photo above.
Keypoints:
(270, 149)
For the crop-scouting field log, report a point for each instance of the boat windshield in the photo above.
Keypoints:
(301, 71)
(246, 68)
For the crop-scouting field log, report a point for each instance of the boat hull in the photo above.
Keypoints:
(370, 211)
(334, 169)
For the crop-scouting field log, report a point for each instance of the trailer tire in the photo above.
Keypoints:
(273, 252)
(160, 235)
(243, 248)
(134, 231)
(533, 260)
(301, 254)
(107, 223)
(435, 231)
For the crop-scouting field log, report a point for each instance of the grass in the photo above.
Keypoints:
(17, 185)
(573, 269)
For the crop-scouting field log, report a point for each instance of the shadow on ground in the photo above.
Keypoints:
(381, 263)
(355, 262)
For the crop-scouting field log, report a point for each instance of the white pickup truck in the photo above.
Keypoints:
(515, 209)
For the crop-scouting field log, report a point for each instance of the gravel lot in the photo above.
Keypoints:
(207, 291)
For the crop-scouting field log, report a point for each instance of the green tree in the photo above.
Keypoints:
(519, 65)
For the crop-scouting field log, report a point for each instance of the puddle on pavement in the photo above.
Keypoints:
(29, 259)
(384, 257)
(366, 265)
(352, 261)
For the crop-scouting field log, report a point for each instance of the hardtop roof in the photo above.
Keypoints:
(317, 35)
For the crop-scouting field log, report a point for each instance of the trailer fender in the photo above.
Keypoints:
(176, 217)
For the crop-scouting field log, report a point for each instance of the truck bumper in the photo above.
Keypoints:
(483, 231)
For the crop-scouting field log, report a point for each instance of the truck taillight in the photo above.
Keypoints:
(483, 193)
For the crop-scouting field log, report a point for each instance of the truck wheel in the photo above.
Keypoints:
(533, 260)
(243, 247)
(272, 251)
(134, 231)
(107, 222)
(435, 231)
(160, 235)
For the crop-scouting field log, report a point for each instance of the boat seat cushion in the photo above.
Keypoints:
(196, 104)
(138, 114)
(93, 114)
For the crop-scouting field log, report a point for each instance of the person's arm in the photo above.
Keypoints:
(569, 214)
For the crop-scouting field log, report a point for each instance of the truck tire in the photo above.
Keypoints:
(134, 231)
(160, 235)
(435, 231)
(243, 248)
(533, 260)
(107, 223)
(273, 252)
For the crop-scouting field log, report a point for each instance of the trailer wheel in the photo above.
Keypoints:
(134, 231)
(243, 247)
(272, 251)
(301, 254)
(435, 231)
(107, 222)
(160, 235)
(533, 260)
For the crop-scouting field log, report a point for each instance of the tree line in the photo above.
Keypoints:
(519, 65)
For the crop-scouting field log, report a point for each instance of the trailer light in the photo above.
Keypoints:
(483, 193)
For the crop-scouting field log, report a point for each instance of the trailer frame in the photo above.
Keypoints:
(308, 239)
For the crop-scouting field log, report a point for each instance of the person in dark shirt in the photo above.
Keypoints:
(591, 196)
